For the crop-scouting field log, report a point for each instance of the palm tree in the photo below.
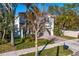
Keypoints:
(11, 9)
(54, 9)
(3, 18)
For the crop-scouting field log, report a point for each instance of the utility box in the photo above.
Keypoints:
(65, 46)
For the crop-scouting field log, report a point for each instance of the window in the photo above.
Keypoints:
(22, 20)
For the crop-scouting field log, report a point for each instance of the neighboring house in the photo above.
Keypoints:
(16, 27)
(21, 22)
(49, 25)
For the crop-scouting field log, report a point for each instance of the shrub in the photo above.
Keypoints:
(30, 38)
(58, 32)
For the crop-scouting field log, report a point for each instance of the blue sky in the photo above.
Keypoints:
(22, 8)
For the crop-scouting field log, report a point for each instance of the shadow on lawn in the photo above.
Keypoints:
(39, 53)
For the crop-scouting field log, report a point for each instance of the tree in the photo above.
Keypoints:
(56, 10)
(3, 21)
(67, 16)
(1, 17)
(38, 21)
(67, 21)
(10, 9)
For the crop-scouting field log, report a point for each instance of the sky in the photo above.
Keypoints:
(22, 8)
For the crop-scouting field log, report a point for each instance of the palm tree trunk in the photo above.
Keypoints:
(12, 36)
(36, 46)
(21, 33)
(3, 35)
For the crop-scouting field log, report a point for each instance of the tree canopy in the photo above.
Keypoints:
(67, 16)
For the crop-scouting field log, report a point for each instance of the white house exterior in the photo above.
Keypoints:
(17, 26)
(51, 19)
(17, 21)
(49, 24)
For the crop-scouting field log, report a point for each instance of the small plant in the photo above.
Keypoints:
(30, 38)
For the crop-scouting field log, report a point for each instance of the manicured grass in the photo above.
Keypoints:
(27, 43)
(68, 37)
(52, 52)
(31, 43)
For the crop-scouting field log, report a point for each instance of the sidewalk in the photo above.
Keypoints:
(29, 50)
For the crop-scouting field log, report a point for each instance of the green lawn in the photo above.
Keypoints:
(31, 43)
(28, 43)
(52, 52)
(68, 37)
